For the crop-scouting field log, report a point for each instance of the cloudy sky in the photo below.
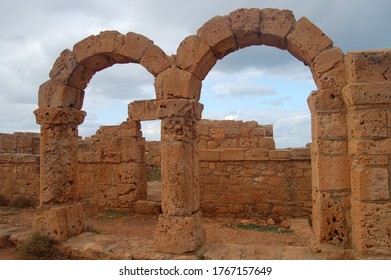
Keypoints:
(256, 83)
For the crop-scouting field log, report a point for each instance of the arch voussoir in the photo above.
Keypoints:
(305, 41)
(218, 35)
(68, 71)
(195, 56)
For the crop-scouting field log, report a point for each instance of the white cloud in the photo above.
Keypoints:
(33, 34)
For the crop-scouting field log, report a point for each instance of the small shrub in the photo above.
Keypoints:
(38, 246)
(3, 201)
(112, 213)
(92, 229)
(154, 174)
(271, 228)
(22, 202)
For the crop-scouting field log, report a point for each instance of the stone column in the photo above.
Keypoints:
(367, 96)
(58, 214)
(330, 168)
(180, 227)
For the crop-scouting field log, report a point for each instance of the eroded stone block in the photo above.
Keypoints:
(59, 222)
(178, 235)
(195, 56)
(306, 41)
(275, 25)
(217, 34)
(245, 26)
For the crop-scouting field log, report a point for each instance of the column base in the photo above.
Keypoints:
(59, 222)
(179, 235)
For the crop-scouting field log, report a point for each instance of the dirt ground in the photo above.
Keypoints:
(218, 230)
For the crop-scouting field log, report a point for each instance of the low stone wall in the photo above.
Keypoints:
(19, 143)
(269, 187)
(112, 169)
(241, 172)
(19, 184)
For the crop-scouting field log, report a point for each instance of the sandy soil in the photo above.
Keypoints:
(218, 230)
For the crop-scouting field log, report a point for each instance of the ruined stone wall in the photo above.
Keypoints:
(19, 168)
(242, 174)
(111, 168)
(152, 154)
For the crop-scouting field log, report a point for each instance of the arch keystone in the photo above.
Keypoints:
(245, 26)
(275, 25)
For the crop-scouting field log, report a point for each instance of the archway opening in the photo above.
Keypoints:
(255, 170)
(112, 167)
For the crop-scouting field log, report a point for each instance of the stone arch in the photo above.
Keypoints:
(59, 114)
(221, 35)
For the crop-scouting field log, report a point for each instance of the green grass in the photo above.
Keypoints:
(270, 228)
(154, 174)
(112, 214)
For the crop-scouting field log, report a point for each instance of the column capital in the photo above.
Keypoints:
(59, 116)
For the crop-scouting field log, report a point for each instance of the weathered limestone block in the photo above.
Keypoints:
(361, 95)
(330, 125)
(195, 56)
(155, 60)
(179, 235)
(134, 46)
(329, 218)
(326, 100)
(67, 70)
(59, 116)
(245, 26)
(209, 155)
(370, 184)
(180, 194)
(369, 66)
(368, 123)
(279, 154)
(168, 108)
(306, 41)
(300, 153)
(179, 129)
(329, 69)
(59, 222)
(370, 146)
(370, 161)
(177, 83)
(55, 94)
(333, 173)
(232, 154)
(256, 154)
(371, 228)
(329, 147)
(98, 52)
(275, 25)
(142, 110)
(217, 34)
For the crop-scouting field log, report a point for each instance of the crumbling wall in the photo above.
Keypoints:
(19, 168)
(111, 168)
(242, 174)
